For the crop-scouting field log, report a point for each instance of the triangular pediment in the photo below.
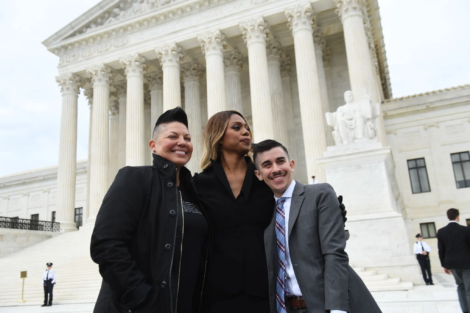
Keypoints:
(111, 14)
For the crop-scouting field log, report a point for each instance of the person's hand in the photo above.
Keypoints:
(343, 209)
(425, 253)
(447, 271)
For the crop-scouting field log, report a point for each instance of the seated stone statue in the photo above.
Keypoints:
(353, 121)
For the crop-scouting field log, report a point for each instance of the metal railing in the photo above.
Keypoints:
(22, 223)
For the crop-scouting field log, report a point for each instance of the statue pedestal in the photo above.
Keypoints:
(364, 174)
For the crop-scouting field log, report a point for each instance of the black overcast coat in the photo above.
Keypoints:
(453, 242)
(135, 237)
(238, 262)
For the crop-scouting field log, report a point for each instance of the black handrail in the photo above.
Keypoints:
(22, 223)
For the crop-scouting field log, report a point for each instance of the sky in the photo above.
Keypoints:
(427, 43)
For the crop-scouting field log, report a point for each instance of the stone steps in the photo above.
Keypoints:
(381, 282)
(78, 278)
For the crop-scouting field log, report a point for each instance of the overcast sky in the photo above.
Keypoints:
(427, 43)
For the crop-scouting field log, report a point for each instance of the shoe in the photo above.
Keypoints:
(50, 304)
(431, 283)
(427, 283)
(44, 305)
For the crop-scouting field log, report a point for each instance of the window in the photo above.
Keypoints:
(418, 176)
(78, 216)
(34, 224)
(461, 165)
(428, 230)
(53, 217)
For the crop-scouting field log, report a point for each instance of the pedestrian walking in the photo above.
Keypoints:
(453, 242)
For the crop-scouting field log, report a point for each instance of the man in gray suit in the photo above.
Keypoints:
(307, 265)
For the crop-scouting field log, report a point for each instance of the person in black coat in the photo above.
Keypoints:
(239, 207)
(453, 242)
(151, 237)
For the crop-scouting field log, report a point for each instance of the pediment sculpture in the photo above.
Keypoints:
(354, 121)
(125, 10)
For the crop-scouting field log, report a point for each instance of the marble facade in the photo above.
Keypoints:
(274, 61)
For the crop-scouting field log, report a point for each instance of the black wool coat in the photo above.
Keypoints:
(453, 242)
(135, 238)
(238, 259)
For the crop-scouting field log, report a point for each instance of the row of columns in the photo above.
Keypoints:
(271, 100)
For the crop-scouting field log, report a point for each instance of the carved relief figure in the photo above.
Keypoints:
(353, 121)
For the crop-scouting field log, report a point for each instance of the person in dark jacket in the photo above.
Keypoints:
(151, 237)
(239, 207)
(453, 242)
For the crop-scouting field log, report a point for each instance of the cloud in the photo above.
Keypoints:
(426, 41)
(30, 100)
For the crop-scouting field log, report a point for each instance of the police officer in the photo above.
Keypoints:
(48, 281)
(422, 250)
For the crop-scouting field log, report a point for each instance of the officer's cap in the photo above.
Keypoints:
(49, 264)
(419, 236)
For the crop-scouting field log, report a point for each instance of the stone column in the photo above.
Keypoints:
(291, 144)
(89, 95)
(147, 127)
(170, 58)
(101, 76)
(155, 80)
(193, 73)
(254, 33)
(134, 66)
(113, 140)
(233, 61)
(66, 175)
(121, 90)
(274, 52)
(213, 46)
(300, 21)
(362, 74)
(320, 46)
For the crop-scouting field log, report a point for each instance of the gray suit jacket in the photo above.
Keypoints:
(316, 245)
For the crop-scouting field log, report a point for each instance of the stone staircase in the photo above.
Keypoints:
(381, 282)
(78, 279)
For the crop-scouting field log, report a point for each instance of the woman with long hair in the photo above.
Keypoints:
(151, 239)
(239, 207)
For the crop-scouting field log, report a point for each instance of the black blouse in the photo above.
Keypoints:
(194, 235)
(238, 262)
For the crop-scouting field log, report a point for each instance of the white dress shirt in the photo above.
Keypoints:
(292, 286)
(48, 274)
(418, 249)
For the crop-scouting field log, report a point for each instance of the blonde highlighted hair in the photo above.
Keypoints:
(213, 133)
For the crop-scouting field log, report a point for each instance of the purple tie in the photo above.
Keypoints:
(281, 253)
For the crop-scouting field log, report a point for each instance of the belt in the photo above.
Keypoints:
(295, 302)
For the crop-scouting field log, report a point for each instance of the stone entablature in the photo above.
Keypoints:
(35, 192)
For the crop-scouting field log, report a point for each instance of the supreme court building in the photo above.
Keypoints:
(286, 65)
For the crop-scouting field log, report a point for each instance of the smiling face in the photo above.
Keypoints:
(275, 168)
(173, 142)
(237, 136)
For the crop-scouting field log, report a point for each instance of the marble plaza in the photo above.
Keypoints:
(311, 74)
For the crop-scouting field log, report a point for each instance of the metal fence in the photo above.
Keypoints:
(22, 223)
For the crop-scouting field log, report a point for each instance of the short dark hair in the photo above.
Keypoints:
(452, 214)
(266, 145)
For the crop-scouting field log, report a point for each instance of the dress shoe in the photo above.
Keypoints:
(44, 305)
(427, 283)
(431, 283)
